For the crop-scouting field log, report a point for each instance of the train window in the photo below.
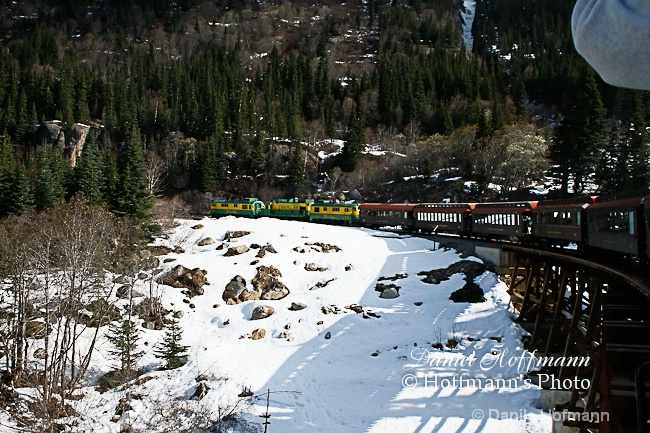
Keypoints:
(336, 209)
(630, 223)
(316, 209)
(578, 218)
(224, 204)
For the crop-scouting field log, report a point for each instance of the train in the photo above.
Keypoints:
(614, 223)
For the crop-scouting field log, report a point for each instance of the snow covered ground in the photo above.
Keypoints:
(341, 372)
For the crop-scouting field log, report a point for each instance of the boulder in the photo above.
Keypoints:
(262, 312)
(182, 277)
(235, 235)
(267, 283)
(297, 306)
(235, 251)
(206, 241)
(389, 293)
(197, 227)
(258, 334)
(201, 390)
(35, 329)
(234, 289)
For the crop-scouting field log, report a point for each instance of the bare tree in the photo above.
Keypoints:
(156, 174)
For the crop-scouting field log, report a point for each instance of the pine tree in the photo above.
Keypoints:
(174, 353)
(124, 336)
(89, 174)
(297, 175)
(7, 173)
(48, 184)
(354, 140)
(133, 196)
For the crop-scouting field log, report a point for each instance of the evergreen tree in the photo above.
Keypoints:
(89, 174)
(581, 133)
(354, 140)
(48, 184)
(133, 197)
(297, 174)
(7, 173)
(124, 336)
(171, 351)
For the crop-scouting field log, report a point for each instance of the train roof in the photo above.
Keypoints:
(386, 206)
(581, 202)
(628, 199)
(238, 201)
(506, 206)
(449, 207)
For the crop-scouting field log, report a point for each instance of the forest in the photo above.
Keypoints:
(235, 97)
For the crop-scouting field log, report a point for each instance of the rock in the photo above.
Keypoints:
(169, 260)
(235, 234)
(158, 250)
(266, 282)
(390, 293)
(249, 296)
(262, 312)
(349, 267)
(178, 314)
(284, 334)
(320, 322)
(221, 247)
(245, 393)
(258, 334)
(181, 277)
(200, 378)
(178, 250)
(380, 287)
(469, 293)
(356, 308)
(300, 250)
(40, 353)
(123, 292)
(206, 241)
(235, 251)
(201, 390)
(314, 267)
(354, 195)
(417, 304)
(255, 247)
(321, 284)
(197, 227)
(254, 262)
(297, 306)
(234, 289)
(328, 335)
(323, 248)
(287, 326)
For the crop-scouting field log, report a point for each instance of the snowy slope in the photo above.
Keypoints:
(372, 375)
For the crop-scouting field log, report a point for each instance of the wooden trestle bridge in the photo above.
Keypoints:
(580, 309)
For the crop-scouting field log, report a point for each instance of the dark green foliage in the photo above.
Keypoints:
(581, 133)
(89, 173)
(49, 182)
(171, 350)
(132, 195)
(354, 141)
(124, 336)
(297, 176)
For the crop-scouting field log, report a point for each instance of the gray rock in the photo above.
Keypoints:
(328, 335)
(197, 227)
(235, 251)
(297, 306)
(262, 312)
(234, 289)
(389, 293)
(355, 195)
(206, 241)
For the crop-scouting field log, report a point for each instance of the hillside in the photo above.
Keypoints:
(341, 351)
